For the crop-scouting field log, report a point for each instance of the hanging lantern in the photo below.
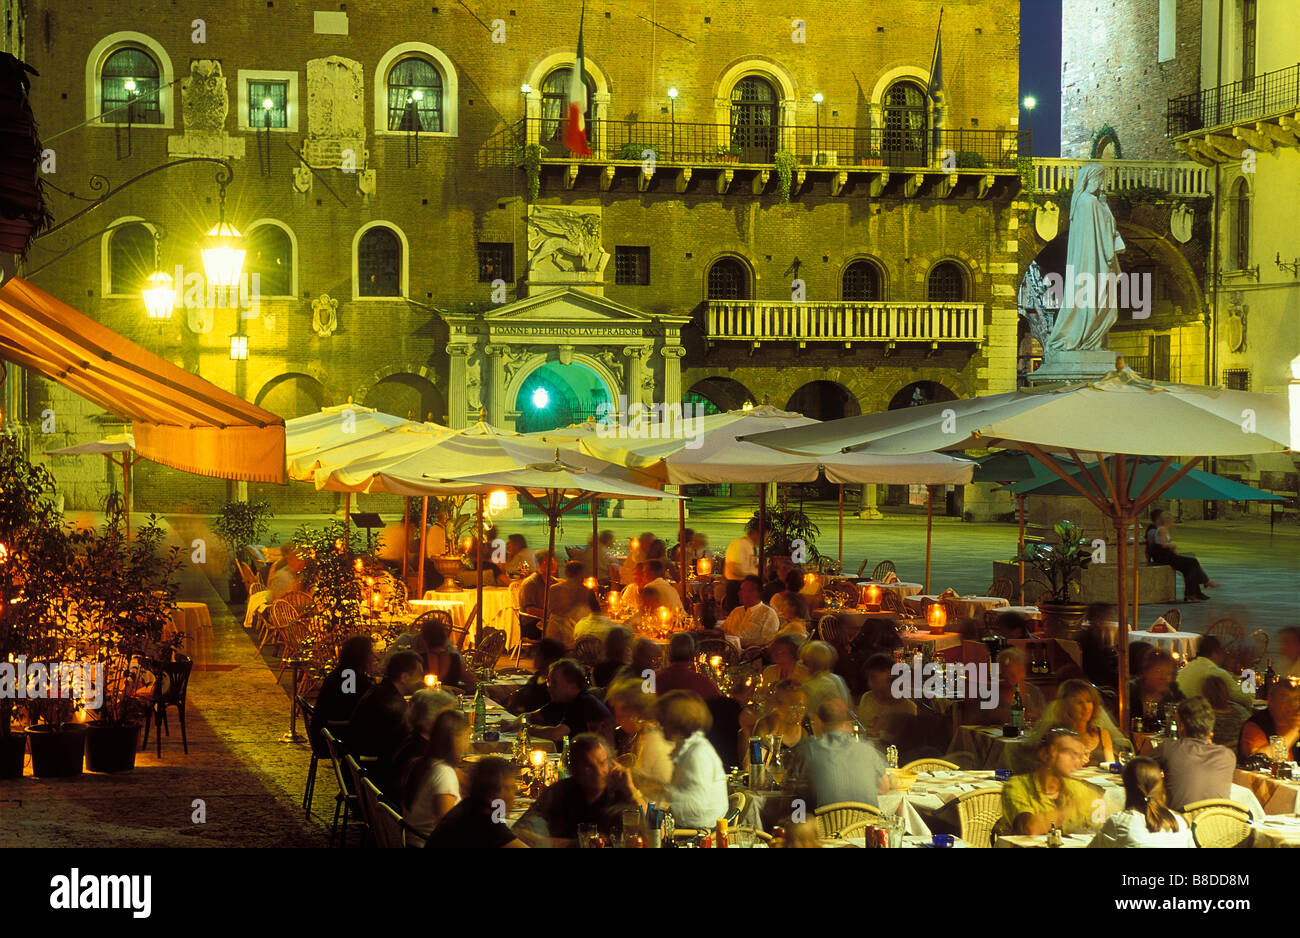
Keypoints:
(936, 616)
(159, 295)
(498, 500)
(223, 256)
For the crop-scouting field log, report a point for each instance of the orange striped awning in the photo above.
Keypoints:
(178, 419)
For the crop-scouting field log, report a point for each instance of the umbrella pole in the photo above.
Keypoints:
(1121, 638)
(1137, 559)
(347, 520)
(126, 491)
(1021, 552)
(762, 524)
(929, 531)
(681, 547)
(406, 539)
(841, 528)
(478, 570)
(424, 530)
(595, 539)
(552, 515)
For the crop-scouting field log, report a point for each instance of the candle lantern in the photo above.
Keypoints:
(705, 566)
(873, 596)
(936, 616)
(590, 583)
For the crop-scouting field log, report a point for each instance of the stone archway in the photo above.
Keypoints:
(719, 394)
(407, 395)
(291, 395)
(824, 400)
(550, 390)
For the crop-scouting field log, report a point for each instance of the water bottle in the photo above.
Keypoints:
(1018, 710)
(480, 713)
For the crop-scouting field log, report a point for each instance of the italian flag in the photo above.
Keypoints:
(575, 125)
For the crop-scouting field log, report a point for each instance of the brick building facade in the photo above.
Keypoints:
(384, 156)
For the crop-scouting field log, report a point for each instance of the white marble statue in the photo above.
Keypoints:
(1089, 294)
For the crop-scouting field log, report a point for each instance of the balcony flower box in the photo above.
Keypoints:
(870, 161)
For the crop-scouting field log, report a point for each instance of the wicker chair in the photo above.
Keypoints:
(1240, 648)
(829, 630)
(761, 836)
(857, 830)
(709, 647)
(1218, 822)
(930, 765)
(978, 812)
(883, 568)
(491, 646)
(1002, 587)
(588, 650)
(286, 610)
(440, 616)
(1174, 617)
(1254, 649)
(736, 802)
(834, 818)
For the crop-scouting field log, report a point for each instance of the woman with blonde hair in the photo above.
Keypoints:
(697, 793)
(641, 744)
(1077, 706)
(1146, 820)
(788, 721)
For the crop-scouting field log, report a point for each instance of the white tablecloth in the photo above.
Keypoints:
(902, 589)
(972, 607)
(195, 621)
(1182, 642)
(499, 610)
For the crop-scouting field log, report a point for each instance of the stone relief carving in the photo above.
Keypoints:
(324, 315)
(205, 103)
(613, 362)
(336, 132)
(474, 381)
(564, 241)
(301, 179)
(1180, 222)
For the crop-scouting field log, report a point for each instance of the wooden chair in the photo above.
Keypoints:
(177, 674)
(736, 802)
(386, 824)
(440, 616)
(930, 765)
(720, 647)
(883, 568)
(491, 646)
(1218, 822)
(1174, 617)
(891, 601)
(862, 568)
(829, 630)
(978, 811)
(285, 611)
(587, 651)
(1002, 587)
(834, 818)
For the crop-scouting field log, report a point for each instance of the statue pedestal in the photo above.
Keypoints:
(1058, 367)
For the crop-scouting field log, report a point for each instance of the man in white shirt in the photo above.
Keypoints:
(742, 555)
(665, 593)
(1210, 656)
(629, 601)
(754, 622)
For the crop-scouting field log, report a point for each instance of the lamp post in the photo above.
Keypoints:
(524, 91)
(672, 122)
(132, 92)
(1030, 103)
(817, 100)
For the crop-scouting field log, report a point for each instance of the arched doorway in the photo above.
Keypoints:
(407, 395)
(824, 400)
(917, 394)
(292, 395)
(557, 395)
(754, 119)
(718, 395)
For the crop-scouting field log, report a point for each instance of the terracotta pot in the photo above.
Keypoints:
(57, 751)
(13, 750)
(111, 747)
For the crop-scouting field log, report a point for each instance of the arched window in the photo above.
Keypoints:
(754, 119)
(129, 88)
(379, 263)
(1241, 226)
(414, 96)
(270, 256)
(130, 259)
(555, 105)
(906, 125)
(728, 280)
(861, 281)
(947, 284)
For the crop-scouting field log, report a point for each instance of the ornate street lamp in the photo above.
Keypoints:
(223, 255)
(160, 290)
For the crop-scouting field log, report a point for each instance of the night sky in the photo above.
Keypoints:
(1040, 71)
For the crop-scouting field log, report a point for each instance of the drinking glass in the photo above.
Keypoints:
(743, 837)
(1278, 745)
(588, 834)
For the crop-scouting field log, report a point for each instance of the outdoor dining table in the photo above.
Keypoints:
(1277, 795)
(1184, 643)
(1040, 840)
(903, 590)
(195, 622)
(768, 808)
(971, 607)
(1276, 832)
(938, 641)
(499, 610)
(1029, 612)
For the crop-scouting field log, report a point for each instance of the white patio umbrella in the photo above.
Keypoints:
(118, 449)
(1120, 414)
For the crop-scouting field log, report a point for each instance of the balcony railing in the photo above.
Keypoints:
(679, 142)
(1237, 102)
(846, 322)
(1175, 177)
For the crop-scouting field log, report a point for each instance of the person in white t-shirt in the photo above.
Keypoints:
(754, 622)
(742, 555)
(1146, 820)
(665, 593)
(431, 785)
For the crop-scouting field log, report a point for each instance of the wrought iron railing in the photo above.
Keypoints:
(682, 142)
(844, 321)
(1235, 102)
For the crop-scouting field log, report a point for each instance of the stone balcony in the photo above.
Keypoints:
(844, 323)
(1218, 125)
(1176, 178)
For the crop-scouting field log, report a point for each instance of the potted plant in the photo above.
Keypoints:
(782, 528)
(240, 524)
(331, 572)
(727, 154)
(34, 560)
(455, 520)
(1060, 566)
(636, 152)
(873, 158)
(785, 162)
(968, 159)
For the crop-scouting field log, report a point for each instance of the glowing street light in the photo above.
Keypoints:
(159, 295)
(541, 398)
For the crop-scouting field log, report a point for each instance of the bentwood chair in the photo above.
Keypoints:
(862, 567)
(834, 818)
(385, 823)
(1174, 617)
(1218, 822)
(1003, 588)
(587, 651)
(978, 811)
(170, 690)
(491, 646)
(736, 802)
(930, 765)
(882, 569)
(720, 647)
